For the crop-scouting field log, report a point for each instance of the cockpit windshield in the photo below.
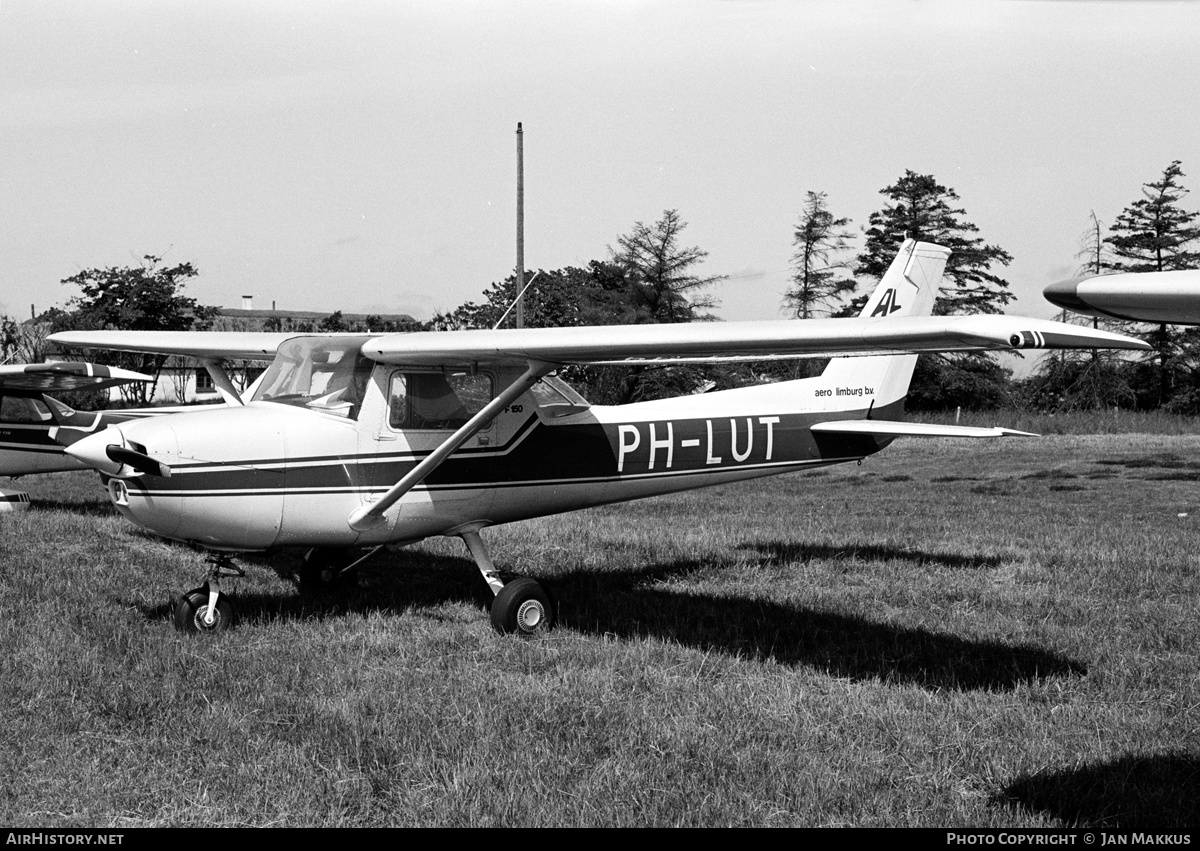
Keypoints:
(326, 374)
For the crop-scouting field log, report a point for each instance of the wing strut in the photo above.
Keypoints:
(370, 515)
(221, 381)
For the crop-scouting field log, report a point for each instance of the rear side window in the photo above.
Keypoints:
(436, 401)
(18, 409)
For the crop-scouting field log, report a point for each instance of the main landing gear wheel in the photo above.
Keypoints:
(523, 608)
(191, 612)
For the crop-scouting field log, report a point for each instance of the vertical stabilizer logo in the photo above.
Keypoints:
(887, 306)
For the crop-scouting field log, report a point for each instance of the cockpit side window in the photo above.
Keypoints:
(436, 401)
(556, 398)
(21, 409)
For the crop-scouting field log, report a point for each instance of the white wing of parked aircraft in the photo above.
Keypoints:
(64, 377)
(1170, 297)
(355, 442)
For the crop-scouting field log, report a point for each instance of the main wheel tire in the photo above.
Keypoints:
(191, 608)
(319, 574)
(523, 608)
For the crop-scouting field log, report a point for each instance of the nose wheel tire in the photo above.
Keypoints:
(192, 608)
(523, 608)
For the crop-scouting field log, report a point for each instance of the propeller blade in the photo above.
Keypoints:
(139, 461)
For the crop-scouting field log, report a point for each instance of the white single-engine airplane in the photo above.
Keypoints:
(1162, 297)
(35, 428)
(357, 442)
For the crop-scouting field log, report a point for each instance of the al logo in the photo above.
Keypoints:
(887, 305)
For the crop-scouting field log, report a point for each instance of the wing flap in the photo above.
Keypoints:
(893, 428)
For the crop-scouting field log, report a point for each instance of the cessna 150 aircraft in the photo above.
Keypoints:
(35, 428)
(1163, 297)
(355, 442)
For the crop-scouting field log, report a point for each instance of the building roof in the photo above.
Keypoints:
(310, 315)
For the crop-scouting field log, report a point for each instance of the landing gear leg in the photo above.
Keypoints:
(521, 606)
(204, 609)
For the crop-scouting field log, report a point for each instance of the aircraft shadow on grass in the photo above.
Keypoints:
(790, 552)
(1156, 793)
(634, 603)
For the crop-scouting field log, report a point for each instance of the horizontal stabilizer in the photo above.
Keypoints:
(891, 428)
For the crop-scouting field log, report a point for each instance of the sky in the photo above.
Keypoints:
(361, 156)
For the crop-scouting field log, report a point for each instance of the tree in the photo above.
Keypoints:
(148, 297)
(1081, 380)
(9, 338)
(922, 209)
(649, 278)
(821, 241)
(1094, 254)
(665, 287)
(596, 295)
(1155, 234)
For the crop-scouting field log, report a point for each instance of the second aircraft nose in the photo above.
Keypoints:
(93, 450)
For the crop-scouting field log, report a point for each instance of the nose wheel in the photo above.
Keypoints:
(206, 609)
(192, 612)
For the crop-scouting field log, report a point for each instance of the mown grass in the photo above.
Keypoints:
(985, 634)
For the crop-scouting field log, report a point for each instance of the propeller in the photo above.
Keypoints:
(139, 461)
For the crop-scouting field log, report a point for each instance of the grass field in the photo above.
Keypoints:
(953, 634)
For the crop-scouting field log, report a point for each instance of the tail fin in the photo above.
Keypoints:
(909, 288)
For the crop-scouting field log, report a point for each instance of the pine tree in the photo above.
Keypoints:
(667, 289)
(922, 209)
(818, 266)
(1155, 234)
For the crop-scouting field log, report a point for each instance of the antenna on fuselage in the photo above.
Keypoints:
(516, 301)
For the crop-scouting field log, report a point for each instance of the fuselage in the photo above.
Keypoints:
(275, 474)
(35, 429)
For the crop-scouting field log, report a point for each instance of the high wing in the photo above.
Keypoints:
(62, 377)
(720, 341)
(638, 344)
(238, 345)
(1171, 297)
